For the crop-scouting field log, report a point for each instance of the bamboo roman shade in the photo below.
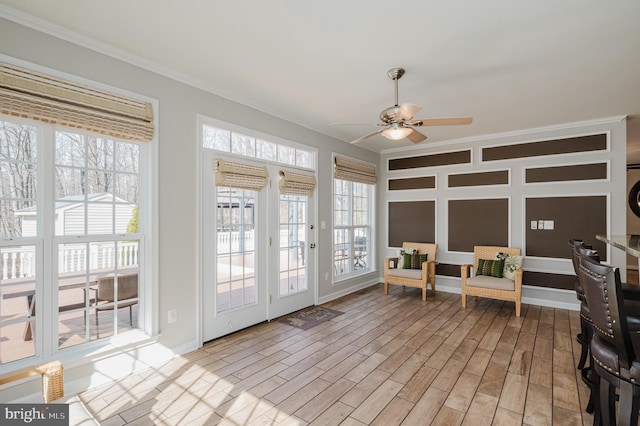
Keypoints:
(239, 175)
(37, 96)
(297, 183)
(354, 171)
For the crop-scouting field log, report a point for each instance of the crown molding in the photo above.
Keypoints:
(90, 43)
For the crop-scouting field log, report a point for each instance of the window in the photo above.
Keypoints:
(70, 238)
(352, 221)
(236, 143)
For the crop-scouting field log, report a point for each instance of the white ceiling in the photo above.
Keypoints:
(511, 65)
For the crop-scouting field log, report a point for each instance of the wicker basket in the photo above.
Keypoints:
(52, 381)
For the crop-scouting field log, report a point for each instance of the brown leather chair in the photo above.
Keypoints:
(614, 345)
(578, 247)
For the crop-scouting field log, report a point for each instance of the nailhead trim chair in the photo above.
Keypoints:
(614, 345)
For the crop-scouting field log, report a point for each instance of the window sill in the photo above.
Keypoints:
(97, 350)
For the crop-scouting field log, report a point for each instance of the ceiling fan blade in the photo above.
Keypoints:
(356, 124)
(360, 139)
(416, 136)
(452, 121)
(407, 111)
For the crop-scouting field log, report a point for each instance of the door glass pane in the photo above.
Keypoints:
(235, 249)
(293, 244)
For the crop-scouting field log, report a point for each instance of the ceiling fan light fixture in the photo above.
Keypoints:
(395, 133)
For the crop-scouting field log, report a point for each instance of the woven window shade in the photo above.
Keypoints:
(297, 183)
(37, 96)
(354, 171)
(239, 175)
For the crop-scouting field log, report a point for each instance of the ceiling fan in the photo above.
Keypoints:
(398, 121)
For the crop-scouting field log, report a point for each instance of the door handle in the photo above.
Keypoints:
(312, 245)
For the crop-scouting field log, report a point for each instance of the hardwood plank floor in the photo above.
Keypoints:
(388, 360)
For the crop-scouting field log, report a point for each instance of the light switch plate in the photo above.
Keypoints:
(534, 224)
(541, 224)
(548, 224)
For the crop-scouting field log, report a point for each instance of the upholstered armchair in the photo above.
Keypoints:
(489, 277)
(424, 272)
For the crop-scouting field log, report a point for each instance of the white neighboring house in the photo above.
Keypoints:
(70, 214)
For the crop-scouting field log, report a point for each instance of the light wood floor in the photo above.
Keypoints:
(387, 360)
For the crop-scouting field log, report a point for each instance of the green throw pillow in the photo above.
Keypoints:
(417, 259)
(492, 268)
(406, 254)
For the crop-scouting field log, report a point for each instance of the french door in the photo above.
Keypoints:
(256, 260)
(293, 286)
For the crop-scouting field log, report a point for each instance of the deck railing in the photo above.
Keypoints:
(20, 262)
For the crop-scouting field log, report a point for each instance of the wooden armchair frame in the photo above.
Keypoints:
(489, 252)
(428, 273)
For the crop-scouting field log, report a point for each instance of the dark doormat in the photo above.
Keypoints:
(311, 317)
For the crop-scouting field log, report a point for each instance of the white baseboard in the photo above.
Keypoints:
(346, 291)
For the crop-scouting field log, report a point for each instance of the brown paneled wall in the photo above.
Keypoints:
(424, 182)
(483, 222)
(443, 159)
(566, 173)
(500, 177)
(412, 221)
(574, 217)
(551, 147)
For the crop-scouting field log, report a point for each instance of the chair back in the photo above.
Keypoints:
(603, 291)
(429, 248)
(579, 248)
(127, 287)
(489, 252)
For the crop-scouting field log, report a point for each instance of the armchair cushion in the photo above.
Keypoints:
(491, 268)
(485, 281)
(415, 274)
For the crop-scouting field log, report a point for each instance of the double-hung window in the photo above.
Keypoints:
(353, 217)
(72, 209)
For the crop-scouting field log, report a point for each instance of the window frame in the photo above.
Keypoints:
(350, 228)
(46, 242)
(258, 137)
